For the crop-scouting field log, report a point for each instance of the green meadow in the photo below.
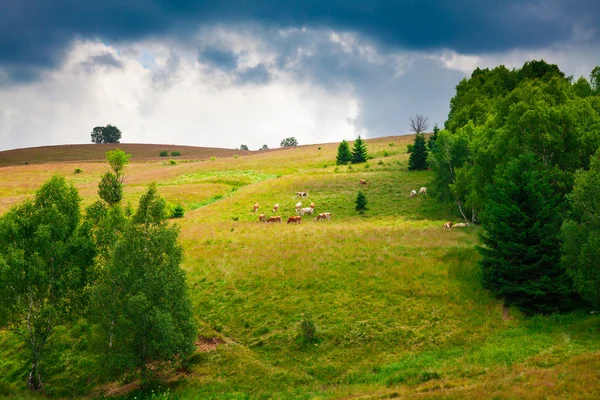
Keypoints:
(384, 304)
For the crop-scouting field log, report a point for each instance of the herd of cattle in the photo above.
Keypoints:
(326, 216)
(294, 219)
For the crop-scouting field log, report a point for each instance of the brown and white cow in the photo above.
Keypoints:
(363, 182)
(255, 207)
(298, 206)
(312, 205)
(448, 225)
(262, 218)
(275, 208)
(323, 217)
(294, 219)
(413, 193)
(274, 219)
(301, 194)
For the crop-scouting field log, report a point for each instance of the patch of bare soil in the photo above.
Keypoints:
(505, 315)
(205, 344)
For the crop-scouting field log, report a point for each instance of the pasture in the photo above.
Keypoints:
(395, 299)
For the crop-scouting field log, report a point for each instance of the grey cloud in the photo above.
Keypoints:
(255, 75)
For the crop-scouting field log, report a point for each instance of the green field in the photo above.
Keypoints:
(396, 300)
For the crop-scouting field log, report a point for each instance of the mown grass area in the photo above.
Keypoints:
(396, 301)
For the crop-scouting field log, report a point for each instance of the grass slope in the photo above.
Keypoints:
(396, 300)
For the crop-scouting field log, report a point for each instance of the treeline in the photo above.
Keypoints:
(115, 269)
(520, 155)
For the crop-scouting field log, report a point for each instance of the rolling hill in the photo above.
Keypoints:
(396, 300)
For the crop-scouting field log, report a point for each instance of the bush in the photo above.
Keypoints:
(78, 170)
(177, 212)
(175, 154)
(163, 153)
(361, 202)
(307, 330)
(409, 148)
(213, 158)
(172, 162)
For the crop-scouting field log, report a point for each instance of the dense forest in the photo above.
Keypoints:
(520, 155)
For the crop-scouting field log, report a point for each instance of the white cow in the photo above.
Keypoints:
(423, 190)
(307, 210)
(298, 206)
(413, 193)
(461, 225)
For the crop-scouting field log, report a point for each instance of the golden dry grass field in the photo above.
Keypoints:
(396, 301)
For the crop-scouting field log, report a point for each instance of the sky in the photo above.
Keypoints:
(223, 73)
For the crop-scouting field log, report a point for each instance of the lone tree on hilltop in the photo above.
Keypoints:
(418, 123)
(343, 154)
(243, 147)
(359, 151)
(418, 155)
(106, 134)
(264, 147)
(289, 142)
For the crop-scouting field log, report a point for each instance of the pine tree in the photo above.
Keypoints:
(418, 156)
(521, 256)
(361, 202)
(433, 138)
(359, 152)
(343, 155)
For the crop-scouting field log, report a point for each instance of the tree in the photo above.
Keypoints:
(141, 304)
(106, 134)
(343, 154)
(418, 123)
(264, 147)
(361, 202)
(433, 138)
(418, 156)
(521, 252)
(289, 142)
(243, 147)
(595, 80)
(359, 151)
(118, 159)
(110, 189)
(45, 263)
(581, 233)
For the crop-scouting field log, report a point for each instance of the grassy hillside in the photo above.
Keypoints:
(395, 299)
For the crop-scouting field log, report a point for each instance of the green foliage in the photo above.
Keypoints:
(163, 153)
(343, 154)
(418, 156)
(264, 147)
(243, 147)
(151, 209)
(433, 138)
(289, 142)
(213, 158)
(175, 154)
(521, 256)
(359, 151)
(78, 170)
(581, 233)
(172, 162)
(110, 189)
(45, 265)
(178, 211)
(118, 159)
(106, 134)
(361, 202)
(409, 148)
(141, 303)
(595, 80)
(307, 330)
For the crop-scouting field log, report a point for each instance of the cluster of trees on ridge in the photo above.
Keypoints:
(358, 154)
(117, 269)
(520, 154)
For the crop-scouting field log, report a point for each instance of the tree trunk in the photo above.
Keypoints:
(34, 381)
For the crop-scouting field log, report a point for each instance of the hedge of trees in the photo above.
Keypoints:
(519, 154)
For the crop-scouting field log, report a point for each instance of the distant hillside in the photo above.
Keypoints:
(97, 152)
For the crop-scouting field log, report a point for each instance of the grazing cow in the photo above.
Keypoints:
(413, 193)
(423, 190)
(255, 207)
(298, 206)
(301, 194)
(312, 205)
(448, 225)
(363, 182)
(275, 208)
(307, 210)
(262, 218)
(461, 225)
(274, 219)
(323, 216)
(294, 219)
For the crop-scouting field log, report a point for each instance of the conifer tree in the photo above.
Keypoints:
(361, 202)
(433, 138)
(418, 156)
(343, 155)
(359, 152)
(521, 256)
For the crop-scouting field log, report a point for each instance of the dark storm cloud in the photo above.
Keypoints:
(35, 33)
(218, 58)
